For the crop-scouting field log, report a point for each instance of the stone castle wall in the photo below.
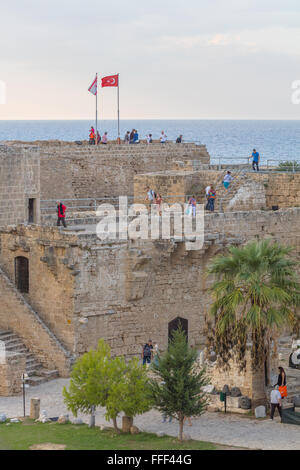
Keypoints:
(127, 291)
(248, 191)
(73, 171)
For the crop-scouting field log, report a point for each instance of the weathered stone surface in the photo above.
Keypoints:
(134, 430)
(62, 420)
(235, 392)
(244, 403)
(296, 400)
(260, 412)
(35, 404)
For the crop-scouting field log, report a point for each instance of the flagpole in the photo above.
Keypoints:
(118, 108)
(96, 109)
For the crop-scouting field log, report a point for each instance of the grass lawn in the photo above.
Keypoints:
(21, 436)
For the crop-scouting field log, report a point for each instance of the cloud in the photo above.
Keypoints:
(275, 40)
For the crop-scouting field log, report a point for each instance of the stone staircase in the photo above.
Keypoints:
(23, 330)
(36, 372)
(223, 196)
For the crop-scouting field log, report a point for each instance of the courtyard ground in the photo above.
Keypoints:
(230, 430)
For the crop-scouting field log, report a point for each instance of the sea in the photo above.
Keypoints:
(226, 140)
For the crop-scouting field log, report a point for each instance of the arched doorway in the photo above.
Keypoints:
(22, 274)
(174, 325)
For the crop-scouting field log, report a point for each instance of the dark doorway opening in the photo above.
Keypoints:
(174, 325)
(31, 211)
(22, 274)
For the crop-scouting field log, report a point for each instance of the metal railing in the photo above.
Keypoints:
(290, 166)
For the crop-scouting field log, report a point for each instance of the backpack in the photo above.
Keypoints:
(147, 350)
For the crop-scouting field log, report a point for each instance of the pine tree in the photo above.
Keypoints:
(177, 389)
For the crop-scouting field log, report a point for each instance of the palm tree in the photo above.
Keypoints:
(255, 292)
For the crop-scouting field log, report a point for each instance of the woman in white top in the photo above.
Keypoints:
(227, 180)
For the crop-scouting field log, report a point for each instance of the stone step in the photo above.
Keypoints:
(7, 336)
(36, 373)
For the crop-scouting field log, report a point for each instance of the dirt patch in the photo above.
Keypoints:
(47, 446)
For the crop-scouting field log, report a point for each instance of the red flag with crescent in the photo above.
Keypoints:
(111, 80)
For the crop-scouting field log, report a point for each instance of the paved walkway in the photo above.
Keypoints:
(232, 430)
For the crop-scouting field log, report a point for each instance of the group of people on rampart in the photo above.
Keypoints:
(129, 138)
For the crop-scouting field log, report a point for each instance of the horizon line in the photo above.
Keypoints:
(154, 119)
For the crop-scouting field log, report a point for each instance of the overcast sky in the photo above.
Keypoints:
(222, 59)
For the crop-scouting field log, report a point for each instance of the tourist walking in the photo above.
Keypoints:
(163, 138)
(281, 382)
(255, 160)
(211, 199)
(192, 205)
(275, 401)
(179, 139)
(61, 213)
(227, 180)
(98, 138)
(147, 353)
(149, 139)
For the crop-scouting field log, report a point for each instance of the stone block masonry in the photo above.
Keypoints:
(11, 370)
(72, 171)
(19, 182)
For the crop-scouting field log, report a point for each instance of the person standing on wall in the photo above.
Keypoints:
(127, 137)
(256, 158)
(192, 204)
(104, 138)
(163, 138)
(147, 353)
(151, 196)
(61, 213)
(92, 136)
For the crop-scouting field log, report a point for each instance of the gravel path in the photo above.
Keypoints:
(231, 430)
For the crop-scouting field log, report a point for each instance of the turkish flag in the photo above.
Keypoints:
(112, 80)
